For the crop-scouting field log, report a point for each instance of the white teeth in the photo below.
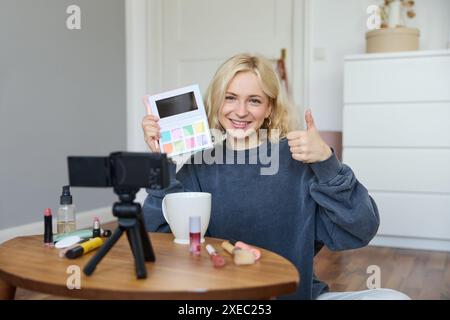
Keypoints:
(239, 122)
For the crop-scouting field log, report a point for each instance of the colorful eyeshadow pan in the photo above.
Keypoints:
(168, 148)
(165, 136)
(184, 139)
(177, 134)
(199, 127)
(201, 140)
(179, 146)
(190, 143)
(188, 131)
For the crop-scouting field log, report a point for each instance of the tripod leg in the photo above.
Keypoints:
(135, 239)
(130, 243)
(149, 254)
(92, 264)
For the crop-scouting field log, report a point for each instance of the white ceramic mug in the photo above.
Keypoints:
(178, 207)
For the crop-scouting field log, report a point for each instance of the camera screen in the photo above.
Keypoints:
(176, 105)
(89, 171)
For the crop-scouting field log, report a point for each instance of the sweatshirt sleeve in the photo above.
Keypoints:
(183, 181)
(346, 217)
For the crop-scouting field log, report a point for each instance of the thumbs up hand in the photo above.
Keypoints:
(308, 146)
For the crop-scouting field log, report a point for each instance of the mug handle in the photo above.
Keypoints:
(163, 207)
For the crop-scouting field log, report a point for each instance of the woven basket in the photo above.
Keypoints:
(392, 40)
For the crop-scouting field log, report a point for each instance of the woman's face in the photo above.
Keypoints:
(245, 106)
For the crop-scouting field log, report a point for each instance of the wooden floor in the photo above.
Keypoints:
(419, 274)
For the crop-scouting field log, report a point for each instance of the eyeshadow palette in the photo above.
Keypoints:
(183, 120)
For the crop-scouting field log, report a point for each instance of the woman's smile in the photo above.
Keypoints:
(240, 124)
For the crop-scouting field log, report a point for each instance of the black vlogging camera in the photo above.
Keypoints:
(126, 172)
(122, 170)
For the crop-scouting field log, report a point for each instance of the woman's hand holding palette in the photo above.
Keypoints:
(183, 120)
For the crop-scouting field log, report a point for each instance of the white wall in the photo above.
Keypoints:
(62, 92)
(338, 27)
(433, 20)
(448, 43)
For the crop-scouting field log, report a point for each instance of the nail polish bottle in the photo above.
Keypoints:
(194, 235)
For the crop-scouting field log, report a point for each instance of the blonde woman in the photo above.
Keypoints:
(308, 200)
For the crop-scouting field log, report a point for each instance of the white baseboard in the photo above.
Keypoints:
(84, 220)
(411, 243)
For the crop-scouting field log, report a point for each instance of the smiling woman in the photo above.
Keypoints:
(245, 108)
(244, 96)
(310, 200)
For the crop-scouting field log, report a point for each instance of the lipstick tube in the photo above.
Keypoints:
(48, 228)
(96, 232)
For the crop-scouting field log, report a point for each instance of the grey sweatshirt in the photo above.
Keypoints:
(293, 211)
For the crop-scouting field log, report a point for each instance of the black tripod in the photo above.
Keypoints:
(130, 220)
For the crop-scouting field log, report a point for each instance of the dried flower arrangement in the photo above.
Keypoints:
(407, 7)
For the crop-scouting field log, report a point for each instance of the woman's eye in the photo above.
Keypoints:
(255, 101)
(230, 98)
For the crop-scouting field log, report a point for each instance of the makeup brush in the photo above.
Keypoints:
(241, 256)
(228, 247)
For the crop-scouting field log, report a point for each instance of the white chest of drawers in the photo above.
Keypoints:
(396, 138)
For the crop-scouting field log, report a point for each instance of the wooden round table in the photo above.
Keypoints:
(26, 263)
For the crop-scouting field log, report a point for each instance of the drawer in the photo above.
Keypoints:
(399, 79)
(397, 125)
(401, 170)
(413, 215)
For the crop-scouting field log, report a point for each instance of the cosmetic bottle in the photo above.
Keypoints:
(66, 221)
(96, 232)
(194, 235)
(217, 260)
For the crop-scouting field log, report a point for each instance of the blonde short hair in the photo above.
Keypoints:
(282, 116)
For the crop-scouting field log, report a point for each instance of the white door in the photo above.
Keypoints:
(198, 35)
(182, 42)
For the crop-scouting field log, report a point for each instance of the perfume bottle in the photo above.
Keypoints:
(194, 235)
(66, 212)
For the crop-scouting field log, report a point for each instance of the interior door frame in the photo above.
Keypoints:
(143, 21)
